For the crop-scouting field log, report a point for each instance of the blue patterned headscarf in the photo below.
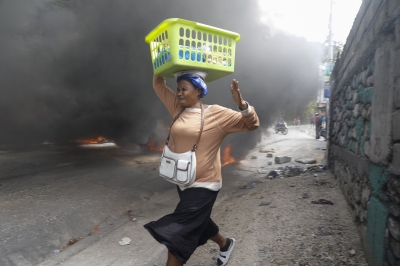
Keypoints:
(196, 81)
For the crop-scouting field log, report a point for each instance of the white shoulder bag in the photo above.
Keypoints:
(180, 168)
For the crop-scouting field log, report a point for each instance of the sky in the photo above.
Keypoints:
(310, 18)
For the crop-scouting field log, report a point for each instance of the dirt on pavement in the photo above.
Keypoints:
(276, 223)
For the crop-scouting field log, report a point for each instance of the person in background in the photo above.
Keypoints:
(190, 225)
(323, 121)
(318, 123)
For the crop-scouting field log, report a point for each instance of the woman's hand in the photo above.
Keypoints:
(237, 96)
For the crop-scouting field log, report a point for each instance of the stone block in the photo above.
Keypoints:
(394, 228)
(282, 159)
(396, 126)
(364, 112)
(391, 258)
(369, 112)
(365, 194)
(393, 189)
(352, 133)
(395, 164)
(355, 97)
(395, 246)
(382, 104)
(357, 192)
(354, 82)
(394, 210)
(370, 81)
(367, 148)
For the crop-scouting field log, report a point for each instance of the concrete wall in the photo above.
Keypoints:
(364, 127)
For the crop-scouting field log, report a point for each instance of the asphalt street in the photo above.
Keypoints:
(51, 194)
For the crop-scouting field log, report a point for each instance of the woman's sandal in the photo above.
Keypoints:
(223, 256)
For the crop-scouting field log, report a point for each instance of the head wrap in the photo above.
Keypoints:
(196, 81)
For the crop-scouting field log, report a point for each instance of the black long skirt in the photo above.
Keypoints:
(189, 226)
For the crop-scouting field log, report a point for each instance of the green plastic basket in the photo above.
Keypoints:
(177, 45)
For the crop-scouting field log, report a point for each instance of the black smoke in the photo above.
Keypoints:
(80, 68)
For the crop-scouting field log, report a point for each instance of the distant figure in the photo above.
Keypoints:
(297, 120)
(312, 121)
(318, 123)
(323, 121)
(280, 122)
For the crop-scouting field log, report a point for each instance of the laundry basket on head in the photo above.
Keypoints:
(177, 45)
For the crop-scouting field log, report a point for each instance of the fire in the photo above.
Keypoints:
(153, 147)
(97, 140)
(226, 157)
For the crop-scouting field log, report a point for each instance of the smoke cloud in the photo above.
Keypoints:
(80, 68)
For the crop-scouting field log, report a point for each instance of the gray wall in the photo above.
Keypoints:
(364, 127)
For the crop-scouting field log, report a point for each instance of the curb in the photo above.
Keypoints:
(84, 243)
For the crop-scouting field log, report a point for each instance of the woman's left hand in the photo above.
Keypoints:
(237, 96)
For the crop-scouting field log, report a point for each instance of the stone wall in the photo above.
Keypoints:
(364, 127)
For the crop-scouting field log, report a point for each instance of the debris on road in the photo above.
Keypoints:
(266, 150)
(55, 252)
(125, 241)
(317, 168)
(264, 203)
(262, 171)
(322, 201)
(248, 186)
(273, 174)
(72, 241)
(253, 157)
(306, 161)
(282, 159)
(293, 171)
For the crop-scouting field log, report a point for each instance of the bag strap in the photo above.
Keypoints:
(201, 127)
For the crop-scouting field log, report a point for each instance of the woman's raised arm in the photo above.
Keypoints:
(166, 95)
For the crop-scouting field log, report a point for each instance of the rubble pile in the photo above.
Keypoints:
(290, 171)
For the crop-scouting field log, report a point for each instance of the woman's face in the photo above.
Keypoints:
(187, 94)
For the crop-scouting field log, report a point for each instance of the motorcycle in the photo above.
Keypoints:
(281, 127)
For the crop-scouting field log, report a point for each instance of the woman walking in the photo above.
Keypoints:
(190, 225)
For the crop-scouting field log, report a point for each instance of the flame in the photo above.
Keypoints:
(153, 147)
(226, 157)
(97, 140)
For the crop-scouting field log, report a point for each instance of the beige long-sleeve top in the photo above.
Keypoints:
(218, 123)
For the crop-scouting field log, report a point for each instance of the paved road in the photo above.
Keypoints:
(49, 195)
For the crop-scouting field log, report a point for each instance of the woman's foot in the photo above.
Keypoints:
(225, 252)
